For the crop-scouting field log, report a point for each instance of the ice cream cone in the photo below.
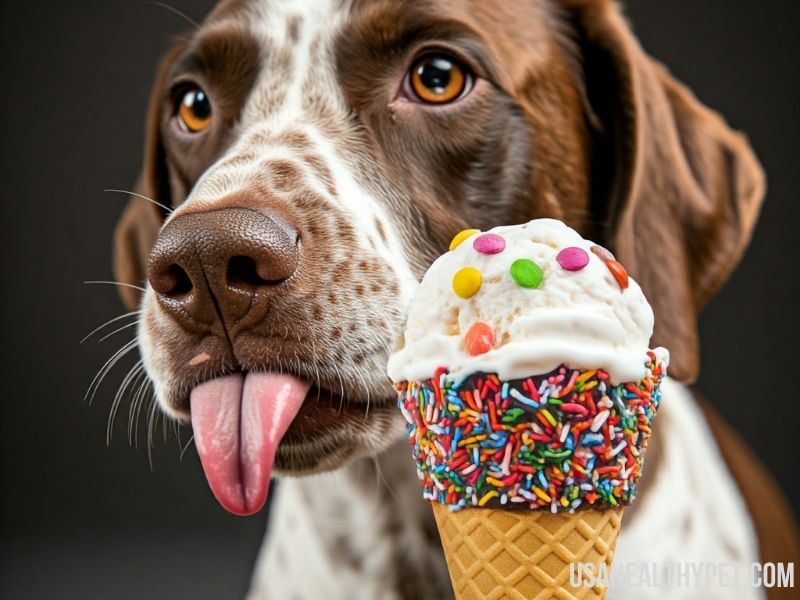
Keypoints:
(525, 555)
(527, 380)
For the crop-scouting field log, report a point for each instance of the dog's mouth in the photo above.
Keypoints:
(239, 420)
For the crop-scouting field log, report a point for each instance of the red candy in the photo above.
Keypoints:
(572, 258)
(479, 339)
(489, 243)
(619, 273)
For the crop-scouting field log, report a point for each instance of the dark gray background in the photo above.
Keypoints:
(83, 520)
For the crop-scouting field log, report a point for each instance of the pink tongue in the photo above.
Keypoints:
(238, 421)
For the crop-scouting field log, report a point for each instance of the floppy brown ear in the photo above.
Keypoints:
(677, 192)
(141, 220)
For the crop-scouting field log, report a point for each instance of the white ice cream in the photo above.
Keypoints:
(583, 318)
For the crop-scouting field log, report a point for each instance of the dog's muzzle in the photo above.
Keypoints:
(214, 272)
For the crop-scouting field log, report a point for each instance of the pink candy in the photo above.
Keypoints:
(572, 258)
(489, 243)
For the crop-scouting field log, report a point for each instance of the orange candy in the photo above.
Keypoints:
(619, 273)
(479, 339)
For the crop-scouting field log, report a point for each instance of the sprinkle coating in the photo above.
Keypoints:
(564, 441)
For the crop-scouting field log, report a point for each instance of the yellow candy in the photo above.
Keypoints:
(467, 282)
(461, 236)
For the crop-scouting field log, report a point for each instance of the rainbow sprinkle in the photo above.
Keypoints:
(563, 441)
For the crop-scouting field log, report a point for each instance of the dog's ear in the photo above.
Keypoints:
(141, 220)
(675, 190)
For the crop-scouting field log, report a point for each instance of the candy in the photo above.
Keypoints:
(573, 258)
(619, 273)
(479, 339)
(476, 443)
(526, 273)
(461, 236)
(602, 253)
(489, 243)
(467, 282)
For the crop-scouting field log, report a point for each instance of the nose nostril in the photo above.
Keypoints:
(243, 274)
(175, 282)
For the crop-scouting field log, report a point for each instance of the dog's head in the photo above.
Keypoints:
(316, 156)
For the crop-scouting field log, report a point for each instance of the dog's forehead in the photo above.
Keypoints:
(298, 71)
(294, 108)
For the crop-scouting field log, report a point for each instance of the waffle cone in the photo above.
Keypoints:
(524, 555)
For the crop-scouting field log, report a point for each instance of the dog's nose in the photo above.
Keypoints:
(221, 261)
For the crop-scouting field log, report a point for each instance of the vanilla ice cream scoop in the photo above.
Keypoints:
(521, 300)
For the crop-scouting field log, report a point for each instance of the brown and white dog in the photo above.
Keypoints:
(314, 156)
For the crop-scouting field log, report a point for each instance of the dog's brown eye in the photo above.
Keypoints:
(194, 110)
(437, 79)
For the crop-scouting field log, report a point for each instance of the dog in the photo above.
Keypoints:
(306, 160)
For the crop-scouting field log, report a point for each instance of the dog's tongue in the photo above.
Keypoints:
(238, 421)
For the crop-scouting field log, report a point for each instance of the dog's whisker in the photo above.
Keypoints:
(177, 12)
(341, 388)
(140, 384)
(176, 431)
(156, 202)
(137, 417)
(382, 479)
(164, 426)
(132, 408)
(127, 381)
(119, 283)
(131, 378)
(106, 368)
(186, 447)
(109, 322)
(377, 479)
(365, 385)
(144, 394)
(152, 423)
(116, 331)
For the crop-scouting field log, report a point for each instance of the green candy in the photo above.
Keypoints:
(526, 273)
